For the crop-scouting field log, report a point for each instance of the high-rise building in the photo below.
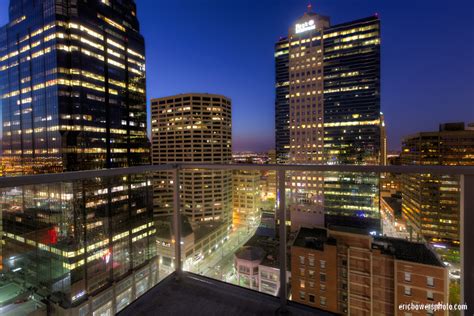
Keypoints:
(246, 198)
(334, 112)
(383, 141)
(390, 183)
(352, 118)
(73, 98)
(347, 271)
(305, 68)
(431, 203)
(270, 190)
(72, 84)
(194, 127)
(334, 90)
(282, 110)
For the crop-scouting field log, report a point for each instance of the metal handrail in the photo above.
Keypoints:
(451, 170)
(12, 181)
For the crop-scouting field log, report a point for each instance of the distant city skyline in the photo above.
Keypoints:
(424, 82)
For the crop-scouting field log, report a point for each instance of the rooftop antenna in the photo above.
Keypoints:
(310, 7)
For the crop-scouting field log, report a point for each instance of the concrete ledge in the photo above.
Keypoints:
(197, 295)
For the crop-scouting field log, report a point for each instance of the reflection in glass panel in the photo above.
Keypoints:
(72, 240)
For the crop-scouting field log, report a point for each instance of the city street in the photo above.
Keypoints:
(393, 227)
(219, 264)
(22, 308)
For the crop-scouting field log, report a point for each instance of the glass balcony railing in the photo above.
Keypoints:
(342, 239)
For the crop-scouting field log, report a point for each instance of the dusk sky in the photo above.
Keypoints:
(226, 47)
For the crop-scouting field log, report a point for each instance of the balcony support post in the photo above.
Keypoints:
(177, 223)
(466, 219)
(282, 232)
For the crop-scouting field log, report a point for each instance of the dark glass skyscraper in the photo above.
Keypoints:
(352, 92)
(352, 118)
(72, 86)
(282, 110)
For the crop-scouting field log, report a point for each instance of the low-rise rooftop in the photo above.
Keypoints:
(401, 249)
(250, 253)
(408, 251)
(270, 247)
(313, 238)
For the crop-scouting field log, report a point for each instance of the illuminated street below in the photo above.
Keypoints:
(220, 263)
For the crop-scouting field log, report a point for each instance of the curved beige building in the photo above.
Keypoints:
(194, 127)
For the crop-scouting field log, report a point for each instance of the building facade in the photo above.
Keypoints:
(431, 203)
(270, 177)
(352, 118)
(334, 113)
(194, 127)
(72, 87)
(333, 79)
(282, 110)
(72, 84)
(383, 141)
(246, 198)
(345, 271)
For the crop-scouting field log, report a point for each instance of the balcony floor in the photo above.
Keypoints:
(195, 295)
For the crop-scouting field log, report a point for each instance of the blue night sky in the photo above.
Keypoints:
(226, 47)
